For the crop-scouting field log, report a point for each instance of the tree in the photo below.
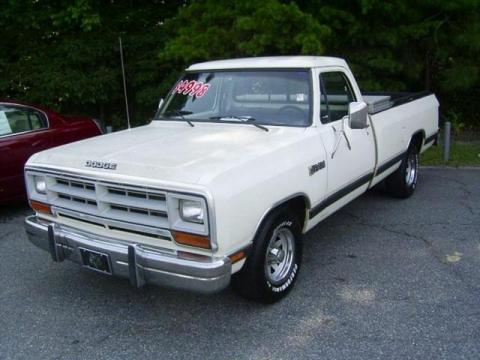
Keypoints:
(409, 45)
(66, 56)
(207, 30)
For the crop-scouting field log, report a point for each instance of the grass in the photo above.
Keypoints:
(461, 154)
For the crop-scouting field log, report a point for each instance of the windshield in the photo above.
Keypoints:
(266, 97)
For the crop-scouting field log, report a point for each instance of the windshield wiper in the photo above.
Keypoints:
(180, 114)
(243, 119)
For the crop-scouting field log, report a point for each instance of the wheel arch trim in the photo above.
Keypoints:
(278, 204)
(416, 134)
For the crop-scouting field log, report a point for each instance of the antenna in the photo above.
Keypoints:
(124, 82)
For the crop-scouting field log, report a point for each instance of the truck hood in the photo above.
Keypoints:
(170, 151)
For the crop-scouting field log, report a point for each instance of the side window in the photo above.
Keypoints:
(36, 120)
(336, 95)
(17, 119)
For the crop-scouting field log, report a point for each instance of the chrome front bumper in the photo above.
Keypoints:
(141, 264)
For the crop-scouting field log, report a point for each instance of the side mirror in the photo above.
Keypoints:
(357, 115)
(160, 103)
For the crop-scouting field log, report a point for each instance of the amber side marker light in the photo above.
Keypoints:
(40, 207)
(237, 256)
(191, 239)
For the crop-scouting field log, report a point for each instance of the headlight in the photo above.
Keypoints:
(188, 213)
(191, 211)
(40, 185)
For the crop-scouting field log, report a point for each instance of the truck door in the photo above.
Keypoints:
(350, 152)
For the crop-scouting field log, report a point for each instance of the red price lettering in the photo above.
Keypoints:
(180, 86)
(192, 88)
(196, 88)
(188, 87)
(203, 90)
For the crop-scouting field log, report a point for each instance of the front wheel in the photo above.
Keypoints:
(402, 182)
(273, 265)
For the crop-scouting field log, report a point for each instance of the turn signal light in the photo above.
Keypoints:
(237, 256)
(40, 207)
(191, 239)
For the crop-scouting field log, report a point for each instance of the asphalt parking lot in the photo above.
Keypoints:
(382, 278)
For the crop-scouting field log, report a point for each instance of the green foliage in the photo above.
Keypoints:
(461, 154)
(207, 30)
(80, 13)
(458, 126)
(409, 45)
(65, 54)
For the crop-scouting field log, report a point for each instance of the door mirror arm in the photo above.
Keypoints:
(342, 134)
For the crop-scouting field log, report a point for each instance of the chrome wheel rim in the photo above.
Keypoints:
(279, 257)
(411, 169)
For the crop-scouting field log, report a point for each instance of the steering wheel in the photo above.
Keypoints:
(290, 111)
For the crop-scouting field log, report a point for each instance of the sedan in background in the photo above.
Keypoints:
(26, 129)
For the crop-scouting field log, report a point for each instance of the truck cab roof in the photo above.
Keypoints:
(270, 62)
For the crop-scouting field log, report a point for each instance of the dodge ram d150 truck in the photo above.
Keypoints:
(241, 159)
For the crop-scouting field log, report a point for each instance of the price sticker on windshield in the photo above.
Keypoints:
(192, 88)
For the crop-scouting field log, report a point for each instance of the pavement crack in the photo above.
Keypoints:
(428, 243)
(468, 207)
(431, 224)
(8, 233)
(438, 256)
(463, 186)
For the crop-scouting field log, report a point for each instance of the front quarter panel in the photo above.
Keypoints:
(244, 195)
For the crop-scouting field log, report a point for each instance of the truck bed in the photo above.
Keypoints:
(381, 101)
(396, 118)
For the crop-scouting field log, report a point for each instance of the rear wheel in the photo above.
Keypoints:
(272, 267)
(403, 181)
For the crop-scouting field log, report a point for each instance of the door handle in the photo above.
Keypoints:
(38, 143)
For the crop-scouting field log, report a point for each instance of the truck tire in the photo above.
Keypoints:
(273, 264)
(401, 184)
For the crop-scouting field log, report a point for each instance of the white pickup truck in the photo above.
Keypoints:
(241, 159)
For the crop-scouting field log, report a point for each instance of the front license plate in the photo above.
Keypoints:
(96, 261)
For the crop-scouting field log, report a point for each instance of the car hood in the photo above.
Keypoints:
(170, 151)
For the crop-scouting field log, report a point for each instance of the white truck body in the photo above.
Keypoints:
(240, 171)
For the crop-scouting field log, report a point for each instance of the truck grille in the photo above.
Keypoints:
(122, 203)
